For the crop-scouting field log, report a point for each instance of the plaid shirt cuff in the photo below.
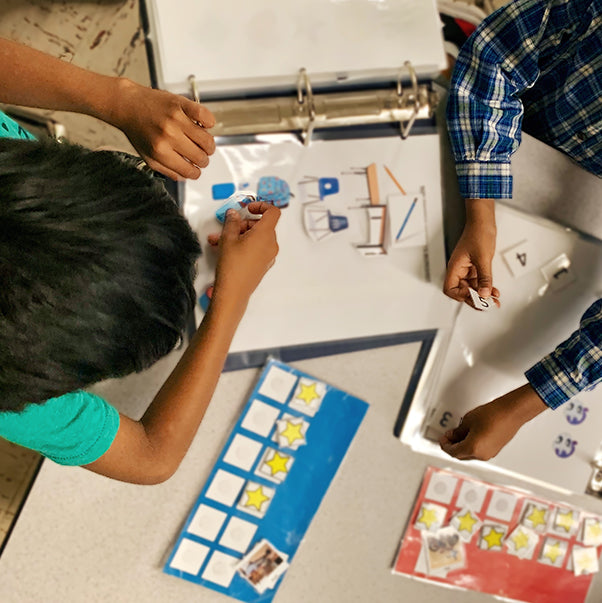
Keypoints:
(552, 383)
(484, 180)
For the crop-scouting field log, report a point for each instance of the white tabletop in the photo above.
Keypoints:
(82, 537)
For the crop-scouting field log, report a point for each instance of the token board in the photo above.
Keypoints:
(338, 276)
(548, 276)
(471, 534)
(267, 484)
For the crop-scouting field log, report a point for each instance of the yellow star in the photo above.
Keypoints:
(466, 522)
(494, 538)
(520, 539)
(537, 517)
(428, 517)
(308, 393)
(292, 432)
(255, 498)
(553, 551)
(278, 463)
(594, 531)
(565, 520)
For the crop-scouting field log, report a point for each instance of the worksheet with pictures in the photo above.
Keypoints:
(548, 277)
(360, 236)
(267, 484)
(472, 534)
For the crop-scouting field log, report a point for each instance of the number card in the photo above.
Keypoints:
(518, 258)
(267, 484)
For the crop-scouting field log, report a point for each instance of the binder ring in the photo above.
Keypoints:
(413, 98)
(303, 83)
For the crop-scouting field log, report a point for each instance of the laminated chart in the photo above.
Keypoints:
(471, 534)
(267, 484)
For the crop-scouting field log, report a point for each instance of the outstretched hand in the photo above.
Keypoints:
(471, 260)
(168, 131)
(470, 266)
(486, 429)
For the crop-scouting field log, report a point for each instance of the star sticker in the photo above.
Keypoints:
(255, 498)
(494, 538)
(553, 551)
(537, 516)
(292, 432)
(565, 520)
(278, 463)
(428, 517)
(520, 540)
(466, 522)
(594, 530)
(308, 393)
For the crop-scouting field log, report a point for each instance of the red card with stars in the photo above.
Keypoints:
(515, 545)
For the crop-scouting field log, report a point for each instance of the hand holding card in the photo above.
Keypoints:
(483, 304)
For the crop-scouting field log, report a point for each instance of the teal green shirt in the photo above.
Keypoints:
(9, 128)
(74, 429)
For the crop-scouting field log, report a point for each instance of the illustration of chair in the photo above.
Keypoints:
(326, 186)
(321, 223)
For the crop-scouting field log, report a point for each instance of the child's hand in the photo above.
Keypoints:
(485, 430)
(248, 249)
(470, 262)
(167, 130)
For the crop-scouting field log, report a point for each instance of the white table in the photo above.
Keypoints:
(82, 537)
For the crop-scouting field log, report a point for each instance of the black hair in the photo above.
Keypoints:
(96, 270)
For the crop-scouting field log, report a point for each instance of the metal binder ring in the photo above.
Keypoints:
(404, 128)
(304, 83)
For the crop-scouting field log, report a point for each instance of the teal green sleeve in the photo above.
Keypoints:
(9, 128)
(74, 429)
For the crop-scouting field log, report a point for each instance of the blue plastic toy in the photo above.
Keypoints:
(222, 191)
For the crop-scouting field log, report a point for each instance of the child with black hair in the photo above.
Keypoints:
(96, 278)
(97, 268)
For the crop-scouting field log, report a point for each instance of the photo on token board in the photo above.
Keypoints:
(467, 533)
(360, 228)
(489, 352)
(267, 484)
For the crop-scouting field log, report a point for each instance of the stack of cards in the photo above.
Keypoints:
(262, 566)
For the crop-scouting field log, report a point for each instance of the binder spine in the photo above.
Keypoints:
(308, 111)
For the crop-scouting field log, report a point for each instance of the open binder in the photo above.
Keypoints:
(309, 96)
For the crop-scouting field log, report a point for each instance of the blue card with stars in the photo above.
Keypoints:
(267, 484)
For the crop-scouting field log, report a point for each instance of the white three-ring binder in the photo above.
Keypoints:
(333, 102)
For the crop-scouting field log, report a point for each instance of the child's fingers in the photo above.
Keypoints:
(269, 214)
(232, 224)
(198, 113)
(213, 239)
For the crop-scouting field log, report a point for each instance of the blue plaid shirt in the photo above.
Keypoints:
(535, 64)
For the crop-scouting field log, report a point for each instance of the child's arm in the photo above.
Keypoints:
(484, 114)
(486, 429)
(574, 366)
(150, 450)
(161, 126)
(470, 262)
